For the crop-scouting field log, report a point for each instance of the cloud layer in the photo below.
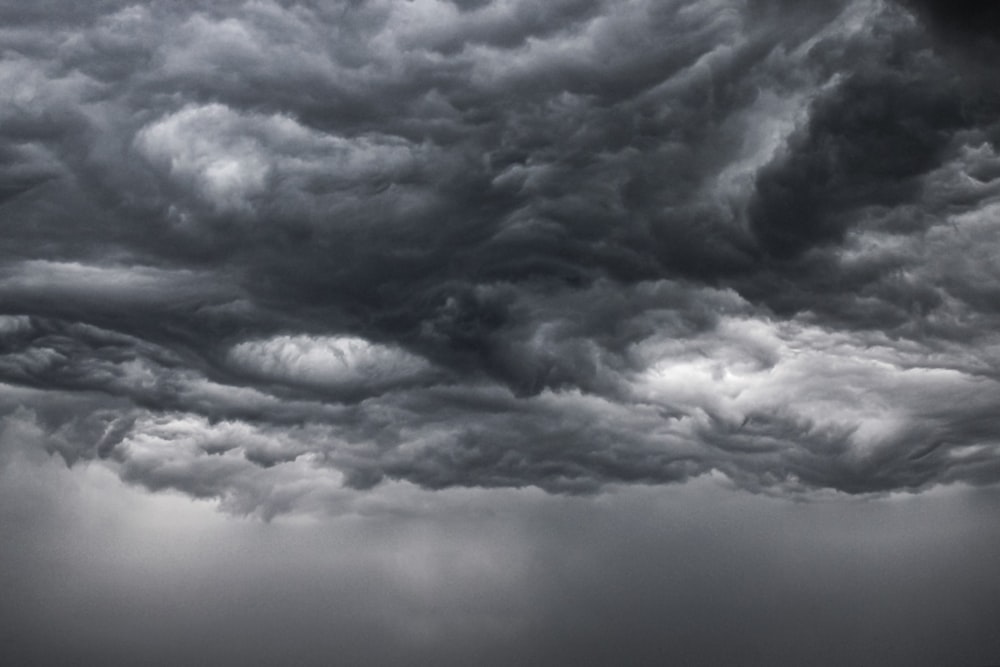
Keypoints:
(274, 253)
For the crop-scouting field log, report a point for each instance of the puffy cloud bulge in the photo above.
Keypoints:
(278, 252)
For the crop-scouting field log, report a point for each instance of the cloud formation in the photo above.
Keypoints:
(269, 252)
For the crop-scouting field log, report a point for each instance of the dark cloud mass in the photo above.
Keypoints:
(492, 244)
(289, 258)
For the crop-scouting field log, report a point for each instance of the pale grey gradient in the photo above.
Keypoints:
(95, 572)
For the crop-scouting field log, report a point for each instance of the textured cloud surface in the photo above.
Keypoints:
(496, 244)
(519, 324)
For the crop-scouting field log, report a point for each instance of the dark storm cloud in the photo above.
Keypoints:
(294, 247)
(865, 146)
(977, 19)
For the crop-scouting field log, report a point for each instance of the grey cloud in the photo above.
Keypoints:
(961, 19)
(483, 244)
(495, 332)
(865, 147)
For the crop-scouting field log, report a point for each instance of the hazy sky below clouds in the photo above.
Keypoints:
(499, 332)
(682, 574)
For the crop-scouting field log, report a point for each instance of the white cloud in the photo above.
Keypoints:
(230, 160)
(202, 147)
(14, 324)
(336, 362)
(824, 381)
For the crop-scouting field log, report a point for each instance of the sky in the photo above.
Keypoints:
(498, 332)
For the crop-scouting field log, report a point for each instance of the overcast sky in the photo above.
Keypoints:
(500, 332)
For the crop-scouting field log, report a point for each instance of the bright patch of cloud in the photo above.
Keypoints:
(335, 362)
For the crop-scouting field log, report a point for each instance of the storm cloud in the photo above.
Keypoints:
(491, 244)
(390, 262)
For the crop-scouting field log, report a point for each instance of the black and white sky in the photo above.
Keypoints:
(500, 332)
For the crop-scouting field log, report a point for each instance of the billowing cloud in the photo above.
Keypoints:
(344, 363)
(234, 163)
(284, 251)
(499, 332)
